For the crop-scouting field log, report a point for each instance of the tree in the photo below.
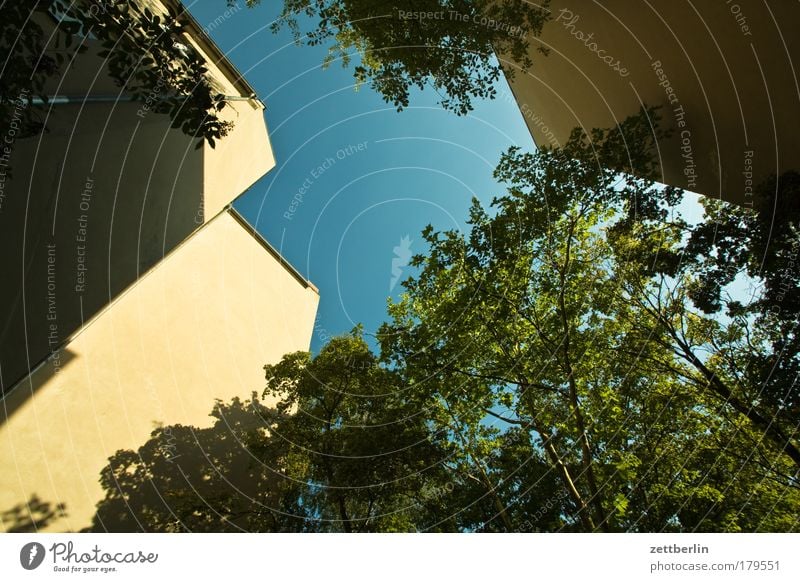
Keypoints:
(739, 345)
(340, 450)
(763, 349)
(200, 480)
(564, 312)
(143, 54)
(366, 451)
(447, 45)
(31, 516)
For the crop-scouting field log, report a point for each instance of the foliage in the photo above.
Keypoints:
(31, 515)
(447, 45)
(26, 67)
(759, 245)
(143, 54)
(566, 311)
(337, 449)
(360, 446)
(198, 479)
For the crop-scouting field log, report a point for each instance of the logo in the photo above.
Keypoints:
(402, 256)
(31, 555)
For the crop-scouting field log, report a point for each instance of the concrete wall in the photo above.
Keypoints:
(199, 326)
(100, 198)
(239, 159)
(722, 70)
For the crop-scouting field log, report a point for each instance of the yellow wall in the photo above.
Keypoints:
(729, 64)
(100, 198)
(198, 326)
(239, 159)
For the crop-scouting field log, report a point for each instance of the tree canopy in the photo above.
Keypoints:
(338, 449)
(142, 50)
(571, 310)
(448, 46)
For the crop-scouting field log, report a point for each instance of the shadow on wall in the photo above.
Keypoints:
(185, 479)
(30, 386)
(31, 516)
(92, 207)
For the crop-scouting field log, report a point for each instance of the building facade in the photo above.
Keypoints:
(723, 74)
(137, 295)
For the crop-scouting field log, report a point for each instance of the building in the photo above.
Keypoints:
(137, 294)
(723, 73)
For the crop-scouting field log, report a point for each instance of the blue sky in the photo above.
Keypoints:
(413, 168)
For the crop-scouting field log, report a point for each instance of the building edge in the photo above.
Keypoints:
(239, 219)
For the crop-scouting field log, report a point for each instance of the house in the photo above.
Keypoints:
(722, 73)
(136, 295)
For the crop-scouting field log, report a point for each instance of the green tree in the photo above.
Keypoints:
(143, 51)
(365, 450)
(189, 479)
(332, 445)
(561, 366)
(564, 311)
(759, 355)
(727, 311)
(447, 45)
